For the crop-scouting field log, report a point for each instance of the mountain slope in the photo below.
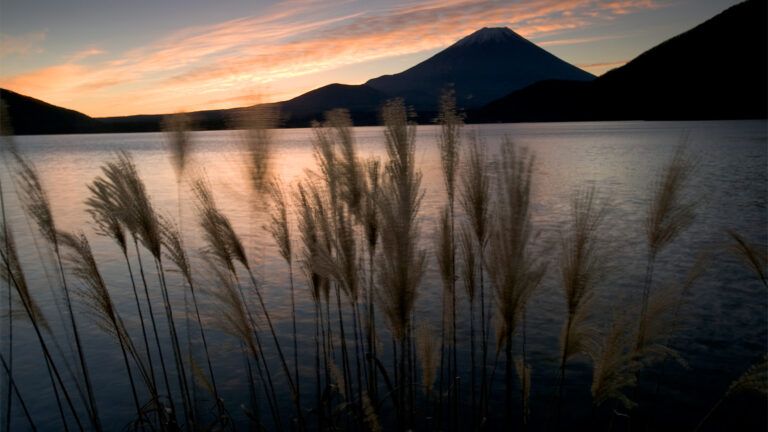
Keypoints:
(481, 67)
(32, 116)
(717, 70)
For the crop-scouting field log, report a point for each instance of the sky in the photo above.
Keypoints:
(120, 57)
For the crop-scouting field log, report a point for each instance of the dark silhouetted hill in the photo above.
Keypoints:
(717, 70)
(30, 116)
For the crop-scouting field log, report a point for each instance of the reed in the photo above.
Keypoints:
(318, 287)
(225, 247)
(14, 389)
(514, 271)
(98, 299)
(37, 205)
(12, 272)
(669, 214)
(474, 197)
(449, 146)
(401, 263)
(752, 380)
(582, 267)
(113, 195)
(176, 253)
(469, 276)
(753, 257)
(371, 229)
(256, 129)
(281, 234)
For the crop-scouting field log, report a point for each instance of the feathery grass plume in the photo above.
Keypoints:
(97, 298)
(34, 198)
(348, 164)
(138, 215)
(339, 262)
(474, 197)
(426, 349)
(278, 226)
(257, 125)
(104, 209)
(369, 413)
(753, 379)
(582, 266)
(222, 243)
(311, 240)
(752, 256)
(37, 205)
(401, 263)
(669, 214)
(614, 365)
(177, 128)
(449, 143)
(514, 272)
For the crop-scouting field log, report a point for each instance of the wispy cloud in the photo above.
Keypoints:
(215, 62)
(23, 44)
(84, 54)
(601, 68)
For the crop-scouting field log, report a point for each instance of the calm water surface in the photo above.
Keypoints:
(724, 322)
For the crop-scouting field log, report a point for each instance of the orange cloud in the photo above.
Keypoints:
(21, 44)
(193, 67)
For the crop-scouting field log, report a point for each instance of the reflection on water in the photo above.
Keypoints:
(724, 322)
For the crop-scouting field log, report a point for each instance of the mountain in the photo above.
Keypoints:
(32, 116)
(717, 70)
(483, 66)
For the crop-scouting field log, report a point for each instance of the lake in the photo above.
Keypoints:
(723, 322)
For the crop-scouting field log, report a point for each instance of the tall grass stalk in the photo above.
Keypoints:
(669, 214)
(225, 245)
(468, 253)
(13, 273)
(132, 206)
(96, 296)
(36, 203)
(15, 389)
(256, 126)
(105, 214)
(401, 263)
(281, 233)
(582, 266)
(514, 272)
(177, 254)
(371, 229)
(475, 200)
(449, 145)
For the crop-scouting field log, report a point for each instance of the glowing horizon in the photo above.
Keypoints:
(292, 47)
